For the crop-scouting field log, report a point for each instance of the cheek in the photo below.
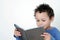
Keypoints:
(38, 24)
(41, 24)
(46, 24)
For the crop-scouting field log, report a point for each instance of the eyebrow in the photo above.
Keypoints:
(42, 18)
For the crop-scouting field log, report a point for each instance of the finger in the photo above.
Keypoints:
(19, 34)
(15, 29)
(45, 33)
(16, 32)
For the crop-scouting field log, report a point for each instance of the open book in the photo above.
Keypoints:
(31, 34)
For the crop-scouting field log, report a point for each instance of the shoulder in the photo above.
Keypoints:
(56, 33)
(54, 29)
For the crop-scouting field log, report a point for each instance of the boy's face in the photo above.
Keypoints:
(43, 19)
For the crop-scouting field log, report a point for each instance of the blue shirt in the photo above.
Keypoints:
(54, 32)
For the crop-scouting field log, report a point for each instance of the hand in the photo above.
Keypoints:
(46, 36)
(17, 33)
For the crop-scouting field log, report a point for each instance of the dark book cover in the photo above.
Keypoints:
(31, 34)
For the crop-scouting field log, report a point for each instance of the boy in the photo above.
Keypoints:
(44, 15)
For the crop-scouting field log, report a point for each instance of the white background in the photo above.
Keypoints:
(21, 12)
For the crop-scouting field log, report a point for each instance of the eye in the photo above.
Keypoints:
(37, 20)
(43, 20)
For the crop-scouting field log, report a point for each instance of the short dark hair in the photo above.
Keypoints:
(45, 8)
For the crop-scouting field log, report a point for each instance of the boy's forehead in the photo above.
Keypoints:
(41, 15)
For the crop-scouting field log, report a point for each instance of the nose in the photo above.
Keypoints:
(40, 24)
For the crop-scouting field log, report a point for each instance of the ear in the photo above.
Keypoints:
(52, 18)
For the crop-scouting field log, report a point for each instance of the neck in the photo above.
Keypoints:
(49, 27)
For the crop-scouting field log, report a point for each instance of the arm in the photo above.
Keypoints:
(18, 38)
(52, 38)
(17, 35)
(47, 36)
(57, 34)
